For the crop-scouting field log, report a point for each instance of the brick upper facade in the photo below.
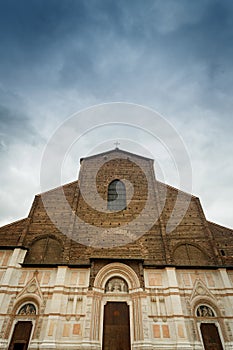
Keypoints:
(78, 230)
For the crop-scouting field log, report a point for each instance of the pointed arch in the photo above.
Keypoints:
(27, 305)
(116, 195)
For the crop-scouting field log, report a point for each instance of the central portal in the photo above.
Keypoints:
(116, 332)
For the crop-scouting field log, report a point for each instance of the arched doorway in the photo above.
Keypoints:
(119, 286)
(21, 335)
(210, 336)
(208, 327)
(23, 326)
(116, 330)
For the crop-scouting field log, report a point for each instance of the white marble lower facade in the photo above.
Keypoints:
(65, 314)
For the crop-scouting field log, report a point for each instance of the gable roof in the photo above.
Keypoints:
(116, 150)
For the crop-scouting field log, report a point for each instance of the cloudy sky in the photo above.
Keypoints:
(59, 57)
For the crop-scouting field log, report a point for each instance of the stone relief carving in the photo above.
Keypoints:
(116, 285)
(205, 311)
(31, 288)
(27, 309)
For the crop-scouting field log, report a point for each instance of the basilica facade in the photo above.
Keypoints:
(116, 260)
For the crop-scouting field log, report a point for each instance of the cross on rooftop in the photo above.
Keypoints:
(117, 144)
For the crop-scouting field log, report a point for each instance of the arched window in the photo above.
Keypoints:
(46, 250)
(116, 196)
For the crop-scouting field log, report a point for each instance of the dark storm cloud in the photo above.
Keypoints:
(145, 44)
(15, 124)
(11, 124)
(59, 56)
(97, 45)
(37, 24)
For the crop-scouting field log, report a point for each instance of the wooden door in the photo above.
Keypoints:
(116, 332)
(21, 336)
(211, 338)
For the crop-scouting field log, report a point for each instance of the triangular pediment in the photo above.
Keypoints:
(115, 152)
(201, 290)
(32, 287)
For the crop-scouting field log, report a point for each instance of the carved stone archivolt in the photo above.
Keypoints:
(118, 270)
(116, 285)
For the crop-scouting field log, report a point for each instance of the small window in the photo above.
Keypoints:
(223, 252)
(116, 196)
